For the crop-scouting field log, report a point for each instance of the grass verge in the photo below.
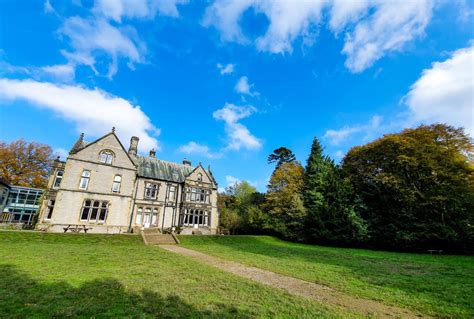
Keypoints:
(436, 285)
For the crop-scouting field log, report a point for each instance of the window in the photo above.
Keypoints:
(171, 193)
(154, 217)
(94, 210)
(192, 217)
(116, 184)
(151, 190)
(197, 195)
(200, 177)
(86, 175)
(138, 219)
(49, 209)
(106, 157)
(147, 216)
(58, 179)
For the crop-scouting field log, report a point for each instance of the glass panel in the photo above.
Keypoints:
(96, 203)
(138, 220)
(94, 214)
(86, 173)
(153, 218)
(85, 213)
(103, 213)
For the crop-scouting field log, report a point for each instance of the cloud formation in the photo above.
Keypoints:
(198, 149)
(93, 111)
(243, 87)
(238, 135)
(225, 69)
(372, 28)
(336, 137)
(445, 92)
(105, 34)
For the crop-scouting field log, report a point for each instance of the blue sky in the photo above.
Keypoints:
(226, 82)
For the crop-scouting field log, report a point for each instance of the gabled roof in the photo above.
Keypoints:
(150, 167)
(81, 144)
(154, 168)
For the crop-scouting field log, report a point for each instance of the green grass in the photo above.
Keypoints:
(64, 275)
(435, 285)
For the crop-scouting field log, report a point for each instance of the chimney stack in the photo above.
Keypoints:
(152, 153)
(133, 146)
(186, 162)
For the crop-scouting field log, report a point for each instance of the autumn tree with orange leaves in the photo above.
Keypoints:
(25, 163)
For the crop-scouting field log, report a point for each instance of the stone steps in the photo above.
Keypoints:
(156, 238)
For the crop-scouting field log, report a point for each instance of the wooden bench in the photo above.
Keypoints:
(76, 228)
(431, 251)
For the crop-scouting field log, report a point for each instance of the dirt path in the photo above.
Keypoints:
(300, 287)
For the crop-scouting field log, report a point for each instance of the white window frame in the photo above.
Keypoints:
(106, 157)
(117, 184)
(49, 209)
(154, 187)
(58, 177)
(171, 190)
(85, 179)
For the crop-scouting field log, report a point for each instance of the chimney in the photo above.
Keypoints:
(152, 152)
(186, 162)
(132, 150)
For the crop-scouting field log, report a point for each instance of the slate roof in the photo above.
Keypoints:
(154, 168)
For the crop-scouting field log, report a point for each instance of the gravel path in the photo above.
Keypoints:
(300, 287)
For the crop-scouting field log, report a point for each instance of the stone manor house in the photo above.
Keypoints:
(108, 189)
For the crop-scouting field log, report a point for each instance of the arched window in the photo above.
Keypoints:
(106, 157)
(200, 177)
(116, 184)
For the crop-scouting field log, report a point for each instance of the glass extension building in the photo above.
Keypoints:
(22, 204)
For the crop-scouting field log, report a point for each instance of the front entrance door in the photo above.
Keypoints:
(146, 220)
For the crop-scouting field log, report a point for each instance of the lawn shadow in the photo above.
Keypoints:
(21, 296)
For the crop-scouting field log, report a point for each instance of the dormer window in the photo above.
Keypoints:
(106, 157)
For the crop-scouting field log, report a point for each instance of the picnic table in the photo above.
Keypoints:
(76, 228)
(438, 251)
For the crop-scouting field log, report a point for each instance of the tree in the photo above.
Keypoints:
(281, 155)
(284, 203)
(417, 188)
(332, 207)
(25, 163)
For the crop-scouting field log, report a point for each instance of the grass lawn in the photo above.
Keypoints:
(60, 275)
(435, 285)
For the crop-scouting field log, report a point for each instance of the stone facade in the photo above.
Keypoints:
(108, 190)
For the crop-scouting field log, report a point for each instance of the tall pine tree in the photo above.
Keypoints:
(332, 217)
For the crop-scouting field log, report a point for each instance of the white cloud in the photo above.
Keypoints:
(47, 7)
(243, 87)
(94, 37)
(91, 37)
(198, 149)
(389, 28)
(225, 69)
(93, 111)
(64, 72)
(373, 27)
(339, 154)
(339, 136)
(231, 180)
(142, 9)
(238, 135)
(445, 92)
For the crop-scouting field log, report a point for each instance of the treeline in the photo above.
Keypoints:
(412, 191)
